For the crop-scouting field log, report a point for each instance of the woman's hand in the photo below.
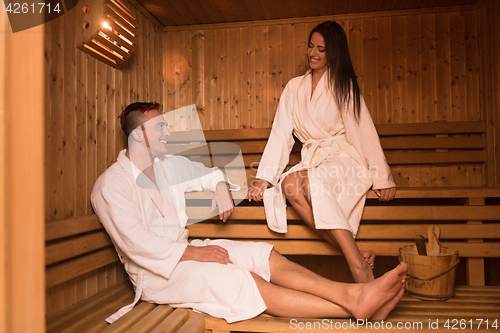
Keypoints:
(386, 194)
(223, 199)
(257, 190)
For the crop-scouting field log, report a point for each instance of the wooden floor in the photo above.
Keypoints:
(473, 309)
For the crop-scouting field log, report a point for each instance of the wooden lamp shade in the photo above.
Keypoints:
(109, 30)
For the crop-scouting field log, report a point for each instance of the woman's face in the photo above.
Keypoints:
(317, 52)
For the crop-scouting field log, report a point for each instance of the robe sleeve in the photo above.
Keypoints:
(196, 176)
(369, 142)
(277, 152)
(115, 203)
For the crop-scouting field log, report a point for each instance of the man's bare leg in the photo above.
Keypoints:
(295, 291)
(297, 191)
(285, 302)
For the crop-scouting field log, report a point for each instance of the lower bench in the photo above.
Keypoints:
(474, 309)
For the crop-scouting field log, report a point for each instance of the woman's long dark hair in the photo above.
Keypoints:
(340, 69)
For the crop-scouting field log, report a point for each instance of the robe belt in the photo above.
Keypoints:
(316, 151)
(138, 292)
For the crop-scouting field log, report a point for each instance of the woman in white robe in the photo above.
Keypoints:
(341, 157)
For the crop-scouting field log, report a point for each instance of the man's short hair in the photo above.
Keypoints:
(132, 116)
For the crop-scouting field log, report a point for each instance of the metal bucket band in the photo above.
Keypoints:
(437, 275)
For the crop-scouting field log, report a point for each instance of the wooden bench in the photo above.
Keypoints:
(440, 143)
(468, 218)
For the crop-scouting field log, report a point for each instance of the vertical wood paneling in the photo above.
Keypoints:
(184, 73)
(55, 195)
(91, 126)
(169, 69)
(384, 106)
(286, 56)
(412, 56)
(221, 42)
(273, 83)
(428, 67)
(411, 68)
(261, 65)
(457, 67)
(300, 40)
(490, 85)
(369, 36)
(83, 134)
(69, 125)
(3, 172)
(247, 97)
(398, 70)
(22, 178)
(234, 77)
(443, 83)
(356, 49)
(472, 83)
(198, 82)
(210, 80)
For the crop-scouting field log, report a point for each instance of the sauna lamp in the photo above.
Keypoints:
(108, 30)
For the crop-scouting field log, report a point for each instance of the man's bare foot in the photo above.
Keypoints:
(369, 257)
(383, 312)
(377, 298)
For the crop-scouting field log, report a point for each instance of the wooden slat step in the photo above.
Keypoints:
(195, 324)
(76, 246)
(409, 310)
(272, 324)
(93, 309)
(379, 231)
(151, 320)
(129, 319)
(459, 310)
(440, 192)
(433, 143)
(383, 248)
(407, 213)
(388, 143)
(402, 193)
(77, 267)
(71, 226)
(173, 322)
(456, 127)
(459, 127)
(450, 157)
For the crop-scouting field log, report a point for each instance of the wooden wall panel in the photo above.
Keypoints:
(83, 135)
(490, 83)
(415, 67)
(4, 303)
(21, 178)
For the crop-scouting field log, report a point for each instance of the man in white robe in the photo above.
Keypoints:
(140, 202)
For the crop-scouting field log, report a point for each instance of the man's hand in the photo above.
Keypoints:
(209, 253)
(224, 200)
(386, 194)
(257, 190)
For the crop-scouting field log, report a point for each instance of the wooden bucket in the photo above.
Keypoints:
(431, 276)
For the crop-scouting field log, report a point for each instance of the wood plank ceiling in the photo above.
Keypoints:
(193, 12)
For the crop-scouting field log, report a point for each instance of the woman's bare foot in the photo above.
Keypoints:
(379, 297)
(369, 257)
(362, 273)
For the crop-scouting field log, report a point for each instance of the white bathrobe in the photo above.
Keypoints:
(147, 227)
(343, 156)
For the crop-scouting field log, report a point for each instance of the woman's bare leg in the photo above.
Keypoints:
(295, 291)
(297, 191)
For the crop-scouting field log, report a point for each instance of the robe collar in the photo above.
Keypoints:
(307, 106)
(142, 181)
